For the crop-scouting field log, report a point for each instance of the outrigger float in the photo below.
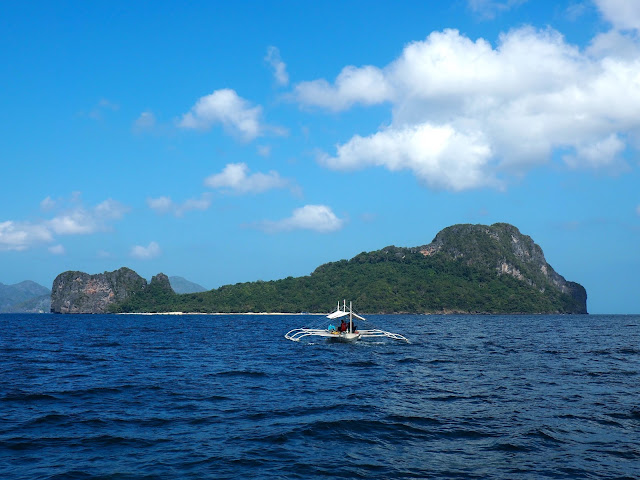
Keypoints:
(346, 333)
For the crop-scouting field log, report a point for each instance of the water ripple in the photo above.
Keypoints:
(156, 397)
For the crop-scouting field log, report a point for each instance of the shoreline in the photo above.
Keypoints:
(217, 313)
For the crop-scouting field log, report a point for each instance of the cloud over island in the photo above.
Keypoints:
(465, 113)
(317, 218)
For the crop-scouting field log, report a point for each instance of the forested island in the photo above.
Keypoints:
(465, 269)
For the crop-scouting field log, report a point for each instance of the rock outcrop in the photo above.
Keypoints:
(79, 292)
(503, 248)
(465, 269)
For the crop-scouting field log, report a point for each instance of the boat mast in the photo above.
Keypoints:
(350, 318)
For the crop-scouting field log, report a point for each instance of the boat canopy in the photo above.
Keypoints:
(340, 314)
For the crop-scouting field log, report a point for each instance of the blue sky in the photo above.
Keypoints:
(239, 141)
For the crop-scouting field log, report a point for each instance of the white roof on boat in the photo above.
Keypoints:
(340, 314)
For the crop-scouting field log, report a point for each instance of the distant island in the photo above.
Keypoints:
(182, 285)
(30, 297)
(24, 297)
(465, 269)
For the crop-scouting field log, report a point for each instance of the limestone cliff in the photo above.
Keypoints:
(503, 248)
(465, 269)
(79, 292)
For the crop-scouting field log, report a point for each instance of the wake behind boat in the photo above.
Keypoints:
(345, 332)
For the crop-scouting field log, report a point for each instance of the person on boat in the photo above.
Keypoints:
(343, 326)
(332, 328)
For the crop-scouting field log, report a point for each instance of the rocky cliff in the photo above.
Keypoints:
(465, 269)
(79, 292)
(504, 249)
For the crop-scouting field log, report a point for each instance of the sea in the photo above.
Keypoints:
(228, 397)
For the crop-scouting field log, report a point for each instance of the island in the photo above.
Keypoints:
(471, 269)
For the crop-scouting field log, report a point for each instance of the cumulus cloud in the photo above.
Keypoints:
(465, 113)
(277, 65)
(164, 205)
(80, 220)
(367, 86)
(237, 178)
(22, 235)
(614, 44)
(623, 14)
(226, 108)
(71, 218)
(597, 154)
(438, 155)
(318, 218)
(146, 253)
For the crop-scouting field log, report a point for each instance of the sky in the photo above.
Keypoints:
(229, 142)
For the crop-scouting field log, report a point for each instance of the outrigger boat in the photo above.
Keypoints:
(348, 334)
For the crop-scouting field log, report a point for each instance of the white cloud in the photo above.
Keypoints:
(146, 253)
(160, 204)
(439, 156)
(166, 205)
(47, 204)
(575, 11)
(236, 178)
(145, 122)
(73, 223)
(110, 209)
(190, 204)
(601, 153)
(73, 220)
(490, 8)
(57, 249)
(490, 111)
(623, 14)
(226, 108)
(22, 235)
(366, 86)
(614, 44)
(318, 218)
(279, 67)
(79, 220)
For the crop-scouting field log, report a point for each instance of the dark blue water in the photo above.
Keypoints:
(181, 397)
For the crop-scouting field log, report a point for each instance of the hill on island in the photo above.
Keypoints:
(465, 269)
(182, 285)
(24, 297)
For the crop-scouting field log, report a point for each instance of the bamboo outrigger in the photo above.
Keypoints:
(348, 334)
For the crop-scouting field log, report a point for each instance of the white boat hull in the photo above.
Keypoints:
(345, 337)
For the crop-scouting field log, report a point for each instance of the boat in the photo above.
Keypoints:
(347, 333)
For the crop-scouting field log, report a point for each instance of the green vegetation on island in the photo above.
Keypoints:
(466, 269)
